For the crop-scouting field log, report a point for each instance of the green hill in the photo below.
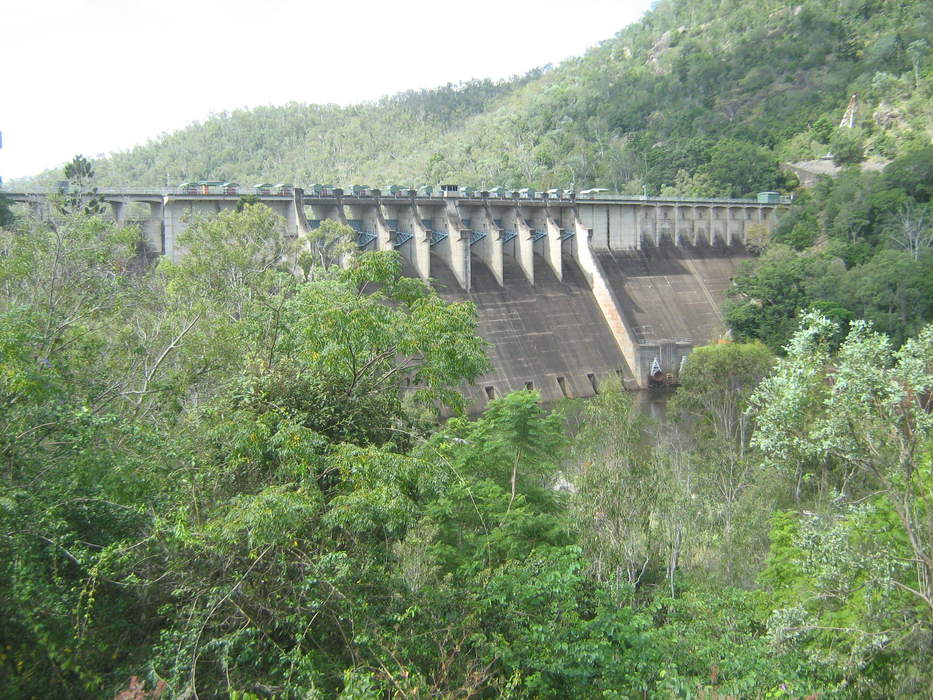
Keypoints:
(700, 97)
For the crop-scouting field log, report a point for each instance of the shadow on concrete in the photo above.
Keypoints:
(669, 293)
(550, 336)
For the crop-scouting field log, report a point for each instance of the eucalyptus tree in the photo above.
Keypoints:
(712, 406)
(619, 489)
(324, 247)
(856, 576)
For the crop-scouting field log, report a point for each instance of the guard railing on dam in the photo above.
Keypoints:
(371, 194)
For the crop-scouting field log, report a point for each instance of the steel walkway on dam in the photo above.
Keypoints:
(671, 293)
(550, 336)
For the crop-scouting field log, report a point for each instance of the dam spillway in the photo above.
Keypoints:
(550, 336)
(672, 297)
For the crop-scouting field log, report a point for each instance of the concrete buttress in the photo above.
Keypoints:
(606, 299)
(525, 247)
(420, 244)
(458, 248)
(552, 244)
(489, 248)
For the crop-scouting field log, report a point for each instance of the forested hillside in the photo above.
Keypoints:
(859, 246)
(699, 97)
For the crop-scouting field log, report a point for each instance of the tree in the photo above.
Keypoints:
(913, 173)
(867, 408)
(370, 331)
(68, 278)
(231, 258)
(518, 433)
(80, 172)
(766, 297)
(698, 185)
(741, 168)
(154, 419)
(618, 490)
(917, 51)
(82, 193)
(913, 230)
(715, 386)
(847, 146)
(823, 129)
(71, 490)
(757, 237)
(891, 290)
(713, 398)
(299, 486)
(327, 245)
(227, 293)
(680, 513)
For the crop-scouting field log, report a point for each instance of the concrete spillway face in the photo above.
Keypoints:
(673, 294)
(550, 336)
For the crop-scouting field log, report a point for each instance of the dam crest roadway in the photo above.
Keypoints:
(569, 289)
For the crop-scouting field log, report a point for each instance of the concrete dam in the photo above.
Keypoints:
(554, 336)
(569, 289)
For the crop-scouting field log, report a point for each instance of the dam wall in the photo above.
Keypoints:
(569, 290)
(549, 336)
(671, 299)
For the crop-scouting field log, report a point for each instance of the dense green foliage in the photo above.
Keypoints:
(213, 477)
(857, 246)
(855, 578)
(702, 96)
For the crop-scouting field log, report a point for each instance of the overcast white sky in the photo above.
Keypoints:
(96, 76)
